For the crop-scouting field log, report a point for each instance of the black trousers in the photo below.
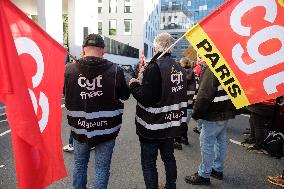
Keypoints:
(259, 126)
(149, 153)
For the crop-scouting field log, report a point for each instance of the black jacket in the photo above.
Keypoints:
(149, 93)
(191, 86)
(262, 109)
(205, 106)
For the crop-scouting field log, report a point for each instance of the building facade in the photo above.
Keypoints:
(201, 8)
(131, 22)
(81, 20)
(175, 15)
(181, 46)
(175, 19)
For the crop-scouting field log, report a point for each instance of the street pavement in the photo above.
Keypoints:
(243, 169)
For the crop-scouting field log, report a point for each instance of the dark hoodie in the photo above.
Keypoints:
(149, 93)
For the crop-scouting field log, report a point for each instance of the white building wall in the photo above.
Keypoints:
(181, 19)
(143, 13)
(50, 18)
(27, 6)
(152, 10)
(81, 14)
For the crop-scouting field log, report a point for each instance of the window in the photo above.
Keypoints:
(127, 6)
(127, 9)
(127, 27)
(99, 1)
(100, 9)
(189, 3)
(164, 19)
(112, 27)
(145, 49)
(112, 6)
(100, 27)
(170, 18)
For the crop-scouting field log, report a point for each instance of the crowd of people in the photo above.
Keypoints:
(169, 94)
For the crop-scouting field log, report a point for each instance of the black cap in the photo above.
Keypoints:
(94, 40)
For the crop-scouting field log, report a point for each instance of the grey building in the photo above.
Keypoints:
(175, 19)
(201, 8)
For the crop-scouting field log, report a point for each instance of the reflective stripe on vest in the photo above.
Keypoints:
(90, 134)
(221, 98)
(160, 126)
(94, 115)
(164, 108)
(220, 88)
(190, 92)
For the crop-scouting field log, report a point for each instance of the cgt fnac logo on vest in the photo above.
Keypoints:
(176, 78)
(26, 45)
(90, 85)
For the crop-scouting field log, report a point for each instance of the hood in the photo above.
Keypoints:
(92, 66)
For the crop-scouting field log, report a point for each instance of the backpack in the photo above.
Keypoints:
(273, 144)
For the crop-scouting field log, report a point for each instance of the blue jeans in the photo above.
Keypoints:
(189, 114)
(149, 153)
(213, 147)
(103, 155)
(199, 124)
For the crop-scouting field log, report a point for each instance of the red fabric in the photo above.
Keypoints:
(271, 102)
(219, 29)
(38, 155)
(198, 68)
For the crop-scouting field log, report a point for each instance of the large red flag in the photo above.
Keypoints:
(242, 42)
(31, 75)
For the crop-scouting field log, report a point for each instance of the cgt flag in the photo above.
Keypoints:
(243, 44)
(31, 78)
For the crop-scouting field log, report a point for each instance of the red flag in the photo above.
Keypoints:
(242, 42)
(31, 70)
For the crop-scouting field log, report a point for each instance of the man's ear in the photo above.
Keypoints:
(83, 51)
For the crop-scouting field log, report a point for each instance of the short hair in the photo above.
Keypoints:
(163, 41)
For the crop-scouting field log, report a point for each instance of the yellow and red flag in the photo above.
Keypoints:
(243, 44)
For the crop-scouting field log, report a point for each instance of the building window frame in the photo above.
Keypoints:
(100, 27)
(127, 6)
(129, 32)
(110, 6)
(112, 31)
(100, 10)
